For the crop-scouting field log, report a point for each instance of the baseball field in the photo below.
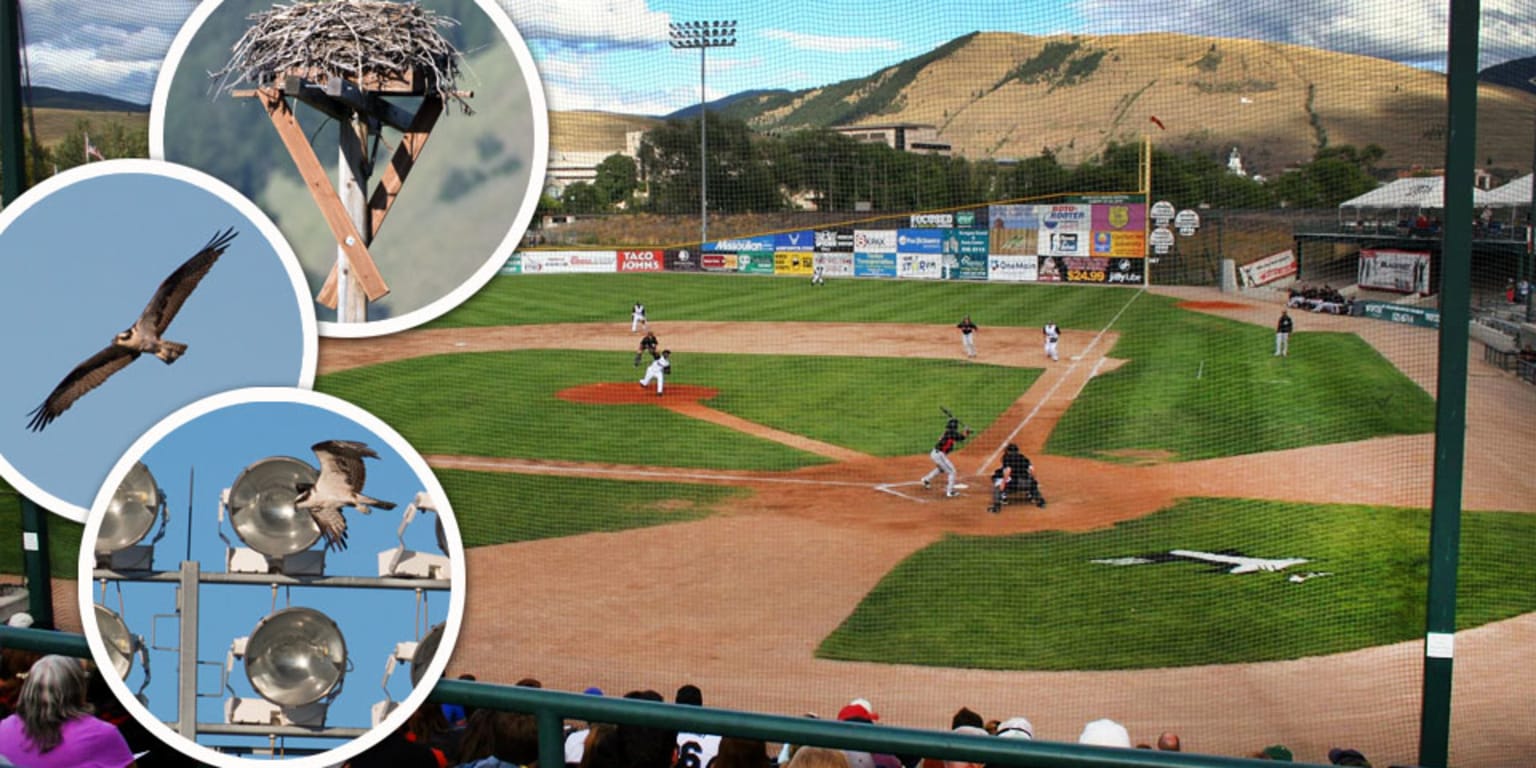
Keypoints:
(760, 530)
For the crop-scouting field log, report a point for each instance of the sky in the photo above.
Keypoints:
(80, 257)
(199, 453)
(613, 55)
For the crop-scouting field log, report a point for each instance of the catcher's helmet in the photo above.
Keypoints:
(953, 424)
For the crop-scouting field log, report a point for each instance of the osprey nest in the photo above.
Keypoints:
(364, 41)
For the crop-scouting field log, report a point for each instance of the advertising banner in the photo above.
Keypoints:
(514, 264)
(1012, 269)
(1066, 218)
(919, 266)
(835, 264)
(919, 240)
(1012, 217)
(1268, 269)
(754, 244)
(874, 241)
(792, 263)
(874, 264)
(562, 262)
(682, 260)
(968, 266)
(834, 240)
(1120, 217)
(758, 263)
(640, 261)
(933, 220)
(1104, 271)
(1397, 313)
(1127, 244)
(965, 253)
(1054, 243)
(1020, 242)
(1389, 270)
(1052, 270)
(804, 240)
(719, 262)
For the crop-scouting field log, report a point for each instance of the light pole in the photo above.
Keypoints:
(703, 35)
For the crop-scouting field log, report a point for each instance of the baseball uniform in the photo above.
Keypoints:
(1283, 335)
(940, 455)
(647, 344)
(657, 372)
(967, 335)
(1052, 335)
(637, 318)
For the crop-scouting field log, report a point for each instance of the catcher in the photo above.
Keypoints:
(1016, 476)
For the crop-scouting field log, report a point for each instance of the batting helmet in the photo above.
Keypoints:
(953, 424)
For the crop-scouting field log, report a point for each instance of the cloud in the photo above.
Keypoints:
(831, 43)
(108, 48)
(1412, 32)
(598, 23)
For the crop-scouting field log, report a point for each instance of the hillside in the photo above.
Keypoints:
(1008, 96)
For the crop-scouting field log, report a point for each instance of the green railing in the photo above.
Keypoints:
(552, 708)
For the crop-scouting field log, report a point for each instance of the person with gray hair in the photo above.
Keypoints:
(54, 727)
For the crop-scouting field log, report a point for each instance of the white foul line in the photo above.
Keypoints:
(546, 469)
(998, 451)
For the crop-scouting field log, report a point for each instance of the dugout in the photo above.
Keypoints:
(1333, 257)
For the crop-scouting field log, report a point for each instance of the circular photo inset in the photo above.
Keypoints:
(254, 553)
(132, 288)
(400, 146)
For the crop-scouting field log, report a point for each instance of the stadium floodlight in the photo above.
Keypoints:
(402, 562)
(425, 651)
(296, 657)
(703, 35)
(418, 654)
(122, 645)
(135, 506)
(262, 510)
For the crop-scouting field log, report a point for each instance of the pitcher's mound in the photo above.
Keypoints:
(631, 393)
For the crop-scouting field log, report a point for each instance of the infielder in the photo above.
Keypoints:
(967, 335)
(940, 455)
(657, 371)
(1052, 335)
(1283, 335)
(637, 318)
(819, 275)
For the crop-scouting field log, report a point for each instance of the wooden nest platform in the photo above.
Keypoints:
(387, 48)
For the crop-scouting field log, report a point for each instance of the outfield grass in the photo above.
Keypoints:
(63, 539)
(1037, 602)
(504, 404)
(494, 508)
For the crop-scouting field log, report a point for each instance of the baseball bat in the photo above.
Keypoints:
(951, 414)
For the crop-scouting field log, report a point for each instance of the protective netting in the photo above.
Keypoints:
(1237, 458)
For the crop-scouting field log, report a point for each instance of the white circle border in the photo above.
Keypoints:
(539, 166)
(336, 406)
(207, 183)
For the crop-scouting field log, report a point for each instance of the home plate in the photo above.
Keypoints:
(961, 486)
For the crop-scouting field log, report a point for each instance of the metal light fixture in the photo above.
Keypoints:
(135, 506)
(121, 644)
(703, 35)
(262, 511)
(295, 657)
(425, 650)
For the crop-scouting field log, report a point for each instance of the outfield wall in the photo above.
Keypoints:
(1075, 242)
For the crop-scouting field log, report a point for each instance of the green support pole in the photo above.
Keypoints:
(1451, 398)
(12, 160)
(34, 545)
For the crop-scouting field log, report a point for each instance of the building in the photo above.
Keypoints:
(906, 137)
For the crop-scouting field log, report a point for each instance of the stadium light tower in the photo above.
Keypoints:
(703, 35)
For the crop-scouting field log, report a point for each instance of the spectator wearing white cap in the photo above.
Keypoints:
(1016, 728)
(1105, 733)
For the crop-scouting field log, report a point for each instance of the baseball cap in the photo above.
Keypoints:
(858, 710)
(1016, 728)
(1339, 756)
(1105, 733)
(20, 620)
(593, 691)
(1277, 752)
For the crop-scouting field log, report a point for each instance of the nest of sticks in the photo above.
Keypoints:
(368, 42)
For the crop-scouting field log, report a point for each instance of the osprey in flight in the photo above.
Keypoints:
(340, 485)
(143, 336)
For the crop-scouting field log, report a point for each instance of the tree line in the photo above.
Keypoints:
(815, 167)
(111, 140)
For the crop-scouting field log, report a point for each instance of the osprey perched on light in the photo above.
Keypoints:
(143, 336)
(340, 484)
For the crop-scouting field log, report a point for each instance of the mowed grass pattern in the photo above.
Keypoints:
(1039, 602)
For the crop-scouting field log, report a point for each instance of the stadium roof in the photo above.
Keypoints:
(1413, 192)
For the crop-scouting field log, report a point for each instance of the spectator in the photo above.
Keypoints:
(818, 757)
(152, 753)
(966, 717)
(1016, 728)
(1339, 756)
(1168, 742)
(1278, 752)
(576, 735)
(500, 740)
(457, 715)
(631, 746)
(395, 751)
(1105, 733)
(695, 750)
(54, 727)
(427, 727)
(861, 711)
(737, 752)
